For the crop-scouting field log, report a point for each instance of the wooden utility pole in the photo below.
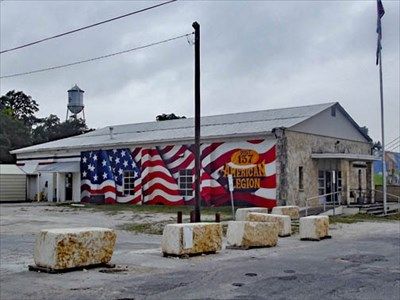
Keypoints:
(197, 162)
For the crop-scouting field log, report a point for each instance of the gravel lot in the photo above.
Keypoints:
(361, 261)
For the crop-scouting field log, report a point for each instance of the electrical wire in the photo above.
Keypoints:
(86, 27)
(393, 147)
(392, 141)
(96, 58)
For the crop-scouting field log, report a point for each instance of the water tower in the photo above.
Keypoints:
(75, 102)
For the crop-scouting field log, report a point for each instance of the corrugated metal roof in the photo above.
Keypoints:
(11, 170)
(70, 166)
(29, 168)
(237, 124)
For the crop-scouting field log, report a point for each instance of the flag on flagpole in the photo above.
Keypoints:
(380, 13)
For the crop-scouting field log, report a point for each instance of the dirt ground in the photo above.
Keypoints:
(361, 261)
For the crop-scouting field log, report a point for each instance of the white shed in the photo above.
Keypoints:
(12, 184)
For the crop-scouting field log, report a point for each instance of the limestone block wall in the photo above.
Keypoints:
(294, 149)
(281, 176)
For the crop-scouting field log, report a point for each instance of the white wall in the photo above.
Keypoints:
(48, 193)
(31, 186)
(76, 187)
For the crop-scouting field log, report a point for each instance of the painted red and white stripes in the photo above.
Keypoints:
(160, 169)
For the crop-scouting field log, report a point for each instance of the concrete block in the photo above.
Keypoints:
(314, 228)
(66, 248)
(291, 211)
(284, 223)
(245, 234)
(241, 213)
(191, 238)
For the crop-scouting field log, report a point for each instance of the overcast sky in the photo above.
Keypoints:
(255, 55)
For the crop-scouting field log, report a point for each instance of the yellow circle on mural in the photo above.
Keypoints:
(245, 157)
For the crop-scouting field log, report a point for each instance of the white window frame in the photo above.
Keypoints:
(185, 183)
(129, 183)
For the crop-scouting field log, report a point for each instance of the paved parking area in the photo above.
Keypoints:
(361, 261)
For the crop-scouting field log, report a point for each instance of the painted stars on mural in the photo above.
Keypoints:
(107, 166)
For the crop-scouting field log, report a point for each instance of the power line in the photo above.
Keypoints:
(393, 147)
(86, 27)
(96, 58)
(392, 141)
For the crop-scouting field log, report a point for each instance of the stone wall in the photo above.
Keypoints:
(294, 149)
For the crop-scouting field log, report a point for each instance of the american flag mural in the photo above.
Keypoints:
(162, 175)
(102, 173)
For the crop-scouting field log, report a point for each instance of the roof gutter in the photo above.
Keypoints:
(115, 143)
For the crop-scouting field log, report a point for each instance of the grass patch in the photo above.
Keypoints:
(363, 218)
(148, 228)
(155, 227)
(225, 211)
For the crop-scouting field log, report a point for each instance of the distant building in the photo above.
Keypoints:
(12, 184)
(278, 156)
(392, 160)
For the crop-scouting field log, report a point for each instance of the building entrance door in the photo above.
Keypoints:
(330, 182)
(328, 185)
(68, 186)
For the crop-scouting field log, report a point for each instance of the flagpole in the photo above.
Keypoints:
(383, 135)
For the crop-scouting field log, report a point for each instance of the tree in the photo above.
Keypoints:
(19, 127)
(13, 135)
(20, 106)
(45, 129)
(165, 117)
(377, 146)
(364, 130)
(50, 129)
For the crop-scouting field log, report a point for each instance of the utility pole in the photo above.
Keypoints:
(383, 136)
(197, 162)
(380, 13)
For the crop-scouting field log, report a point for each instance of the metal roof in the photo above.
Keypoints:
(70, 167)
(255, 123)
(76, 88)
(11, 170)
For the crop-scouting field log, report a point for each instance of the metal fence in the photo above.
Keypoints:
(323, 202)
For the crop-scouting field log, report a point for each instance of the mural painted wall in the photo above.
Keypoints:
(392, 160)
(162, 175)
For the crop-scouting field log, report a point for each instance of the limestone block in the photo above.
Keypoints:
(284, 223)
(314, 227)
(291, 211)
(191, 238)
(245, 234)
(73, 247)
(241, 213)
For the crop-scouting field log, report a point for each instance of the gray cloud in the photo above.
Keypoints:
(255, 55)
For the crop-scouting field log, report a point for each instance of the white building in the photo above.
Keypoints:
(275, 156)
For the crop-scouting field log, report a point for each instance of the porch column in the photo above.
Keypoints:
(370, 180)
(38, 187)
(345, 169)
(58, 180)
(76, 187)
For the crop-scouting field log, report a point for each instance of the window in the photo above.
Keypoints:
(129, 183)
(321, 182)
(301, 185)
(339, 181)
(333, 111)
(186, 182)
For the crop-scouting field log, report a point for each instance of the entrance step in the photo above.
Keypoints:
(381, 214)
(363, 206)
